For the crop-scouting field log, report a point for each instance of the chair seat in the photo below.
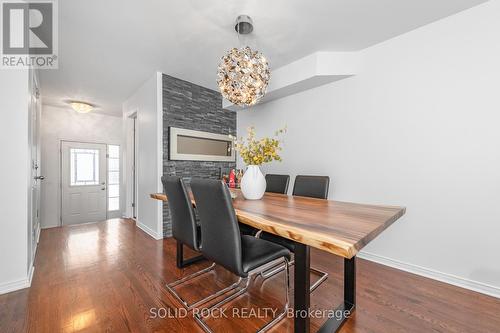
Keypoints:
(257, 252)
(245, 229)
(289, 244)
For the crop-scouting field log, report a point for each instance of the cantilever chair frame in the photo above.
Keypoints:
(279, 267)
(170, 287)
(258, 271)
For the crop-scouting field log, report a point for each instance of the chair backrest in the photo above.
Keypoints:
(181, 211)
(311, 186)
(220, 234)
(277, 183)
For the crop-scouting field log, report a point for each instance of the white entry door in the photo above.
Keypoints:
(83, 182)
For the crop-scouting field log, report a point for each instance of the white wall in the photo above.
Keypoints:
(14, 176)
(66, 124)
(417, 127)
(146, 103)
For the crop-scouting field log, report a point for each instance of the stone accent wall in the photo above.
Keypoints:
(189, 106)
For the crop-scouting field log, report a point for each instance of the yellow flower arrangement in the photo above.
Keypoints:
(258, 151)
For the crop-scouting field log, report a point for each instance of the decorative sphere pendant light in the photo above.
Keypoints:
(243, 74)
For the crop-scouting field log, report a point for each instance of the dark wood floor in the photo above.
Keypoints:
(105, 277)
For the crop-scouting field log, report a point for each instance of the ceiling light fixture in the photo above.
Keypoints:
(82, 107)
(243, 74)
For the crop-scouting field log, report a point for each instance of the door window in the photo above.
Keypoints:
(84, 166)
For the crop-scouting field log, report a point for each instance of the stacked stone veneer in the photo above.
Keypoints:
(190, 106)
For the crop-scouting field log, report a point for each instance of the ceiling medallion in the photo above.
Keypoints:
(243, 74)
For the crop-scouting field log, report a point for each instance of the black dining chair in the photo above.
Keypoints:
(184, 227)
(243, 255)
(186, 232)
(245, 229)
(311, 186)
(305, 186)
(277, 183)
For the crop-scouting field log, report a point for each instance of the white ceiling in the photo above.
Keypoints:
(108, 48)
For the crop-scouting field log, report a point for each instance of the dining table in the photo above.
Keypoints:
(339, 228)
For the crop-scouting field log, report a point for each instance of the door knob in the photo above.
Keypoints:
(103, 189)
(39, 177)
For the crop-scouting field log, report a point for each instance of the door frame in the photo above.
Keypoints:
(60, 189)
(134, 171)
(130, 165)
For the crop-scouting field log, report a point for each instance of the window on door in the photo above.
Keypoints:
(113, 177)
(84, 166)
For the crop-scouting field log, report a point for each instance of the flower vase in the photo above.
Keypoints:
(253, 183)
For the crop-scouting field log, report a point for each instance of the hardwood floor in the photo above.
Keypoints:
(110, 276)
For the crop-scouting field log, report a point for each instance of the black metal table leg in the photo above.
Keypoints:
(350, 281)
(181, 263)
(345, 309)
(302, 294)
(180, 254)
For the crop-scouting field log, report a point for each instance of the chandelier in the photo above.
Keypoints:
(243, 74)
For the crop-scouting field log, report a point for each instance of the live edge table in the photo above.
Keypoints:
(340, 228)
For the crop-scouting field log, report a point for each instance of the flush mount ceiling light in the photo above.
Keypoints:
(81, 107)
(243, 74)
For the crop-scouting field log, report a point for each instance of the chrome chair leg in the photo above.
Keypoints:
(273, 270)
(170, 288)
(206, 328)
(278, 268)
(192, 276)
(323, 276)
(287, 301)
(265, 274)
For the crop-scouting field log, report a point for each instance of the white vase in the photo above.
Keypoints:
(253, 183)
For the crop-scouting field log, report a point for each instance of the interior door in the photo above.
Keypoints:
(83, 182)
(35, 110)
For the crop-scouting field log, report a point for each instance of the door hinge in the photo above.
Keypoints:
(133, 204)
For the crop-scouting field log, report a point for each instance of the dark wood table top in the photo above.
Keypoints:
(341, 228)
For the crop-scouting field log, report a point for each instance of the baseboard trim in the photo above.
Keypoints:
(38, 230)
(148, 230)
(30, 275)
(19, 284)
(433, 274)
(50, 226)
(14, 286)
